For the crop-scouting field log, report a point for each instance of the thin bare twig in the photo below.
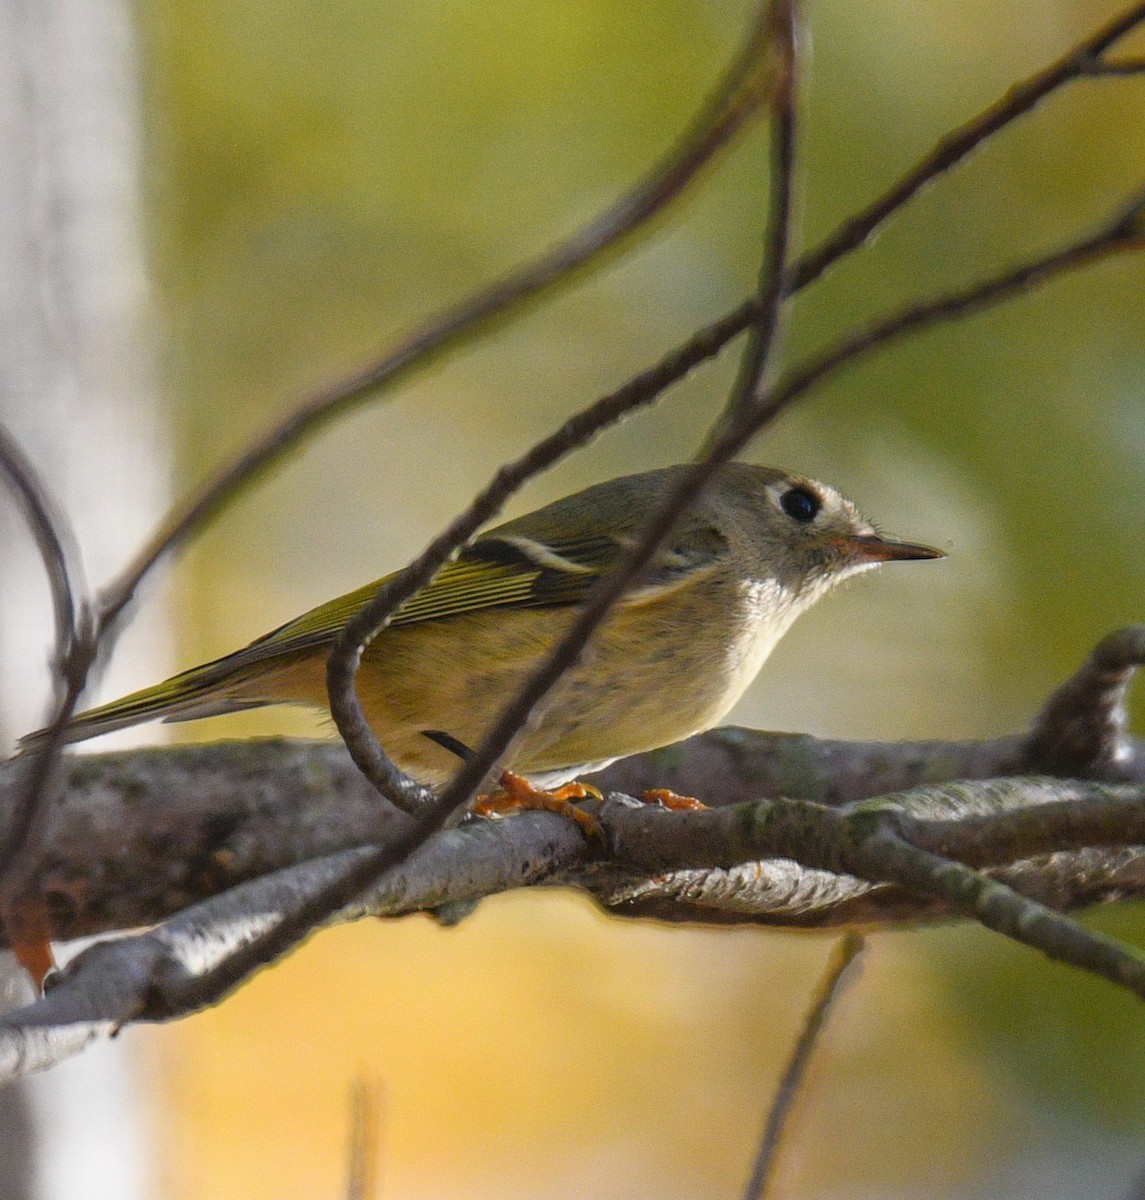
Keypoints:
(955, 146)
(948, 152)
(767, 321)
(885, 857)
(841, 972)
(51, 531)
(365, 1138)
(1125, 230)
(1114, 67)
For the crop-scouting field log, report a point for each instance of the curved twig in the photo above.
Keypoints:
(75, 646)
(52, 534)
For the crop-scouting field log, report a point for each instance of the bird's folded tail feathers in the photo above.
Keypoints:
(184, 697)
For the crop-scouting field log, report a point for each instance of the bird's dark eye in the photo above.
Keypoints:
(800, 504)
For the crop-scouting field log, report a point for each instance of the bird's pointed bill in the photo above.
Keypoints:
(875, 549)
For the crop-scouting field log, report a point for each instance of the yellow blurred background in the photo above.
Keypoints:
(323, 175)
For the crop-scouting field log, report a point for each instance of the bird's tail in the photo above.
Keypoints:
(206, 691)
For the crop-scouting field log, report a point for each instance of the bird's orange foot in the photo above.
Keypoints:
(667, 798)
(515, 792)
(29, 928)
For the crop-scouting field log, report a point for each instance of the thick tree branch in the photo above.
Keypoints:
(160, 975)
(135, 836)
(139, 834)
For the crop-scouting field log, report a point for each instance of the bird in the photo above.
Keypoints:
(758, 548)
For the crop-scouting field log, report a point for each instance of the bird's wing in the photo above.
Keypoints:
(503, 569)
(552, 556)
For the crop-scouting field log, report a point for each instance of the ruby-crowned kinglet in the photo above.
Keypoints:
(758, 548)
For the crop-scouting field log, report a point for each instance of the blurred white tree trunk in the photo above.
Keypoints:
(77, 390)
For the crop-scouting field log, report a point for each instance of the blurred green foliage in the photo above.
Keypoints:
(323, 175)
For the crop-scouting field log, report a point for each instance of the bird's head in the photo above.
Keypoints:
(805, 535)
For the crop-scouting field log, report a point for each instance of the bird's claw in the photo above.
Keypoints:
(667, 798)
(514, 793)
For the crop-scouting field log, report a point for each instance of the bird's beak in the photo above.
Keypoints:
(874, 549)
